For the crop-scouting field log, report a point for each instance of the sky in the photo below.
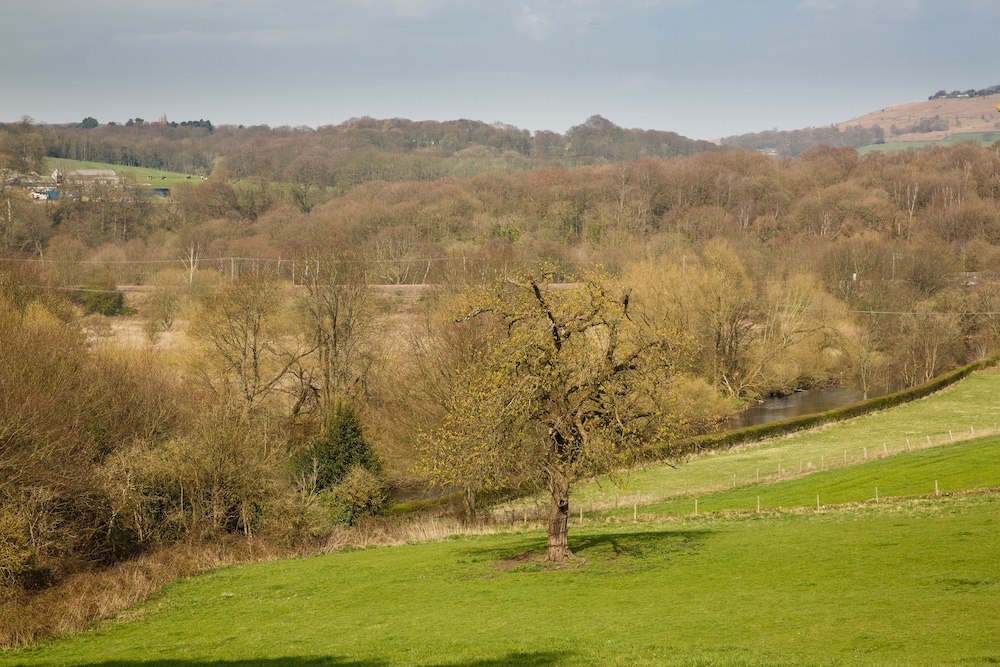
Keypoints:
(702, 68)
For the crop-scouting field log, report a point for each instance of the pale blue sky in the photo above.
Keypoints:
(702, 68)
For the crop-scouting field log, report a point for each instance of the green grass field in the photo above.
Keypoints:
(160, 179)
(973, 464)
(913, 582)
(970, 407)
(913, 579)
(982, 138)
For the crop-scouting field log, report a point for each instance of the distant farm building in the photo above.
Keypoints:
(96, 176)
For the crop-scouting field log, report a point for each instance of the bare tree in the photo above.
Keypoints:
(191, 256)
(339, 320)
(247, 353)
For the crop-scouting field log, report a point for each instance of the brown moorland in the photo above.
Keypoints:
(963, 114)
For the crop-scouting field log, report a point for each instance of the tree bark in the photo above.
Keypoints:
(469, 504)
(559, 519)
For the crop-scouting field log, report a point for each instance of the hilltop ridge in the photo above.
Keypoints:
(932, 120)
(928, 121)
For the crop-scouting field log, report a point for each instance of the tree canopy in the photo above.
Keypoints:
(569, 385)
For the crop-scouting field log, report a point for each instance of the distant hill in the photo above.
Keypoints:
(933, 120)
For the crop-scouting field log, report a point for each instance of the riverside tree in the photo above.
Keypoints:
(569, 385)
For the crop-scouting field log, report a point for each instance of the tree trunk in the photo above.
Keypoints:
(559, 519)
(469, 504)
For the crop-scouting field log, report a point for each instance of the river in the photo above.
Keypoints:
(774, 408)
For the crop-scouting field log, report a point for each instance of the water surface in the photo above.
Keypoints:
(810, 401)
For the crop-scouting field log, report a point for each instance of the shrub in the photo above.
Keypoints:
(213, 479)
(361, 494)
(101, 296)
(341, 447)
(164, 304)
(16, 555)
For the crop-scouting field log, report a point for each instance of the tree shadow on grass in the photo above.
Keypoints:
(517, 659)
(638, 543)
(602, 546)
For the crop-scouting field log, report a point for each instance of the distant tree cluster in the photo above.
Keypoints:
(207, 124)
(936, 124)
(599, 138)
(972, 92)
(22, 147)
(793, 142)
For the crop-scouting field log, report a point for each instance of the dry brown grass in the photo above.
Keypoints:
(964, 115)
(80, 600)
(401, 531)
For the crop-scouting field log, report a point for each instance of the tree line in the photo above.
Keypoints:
(971, 92)
(793, 142)
(344, 155)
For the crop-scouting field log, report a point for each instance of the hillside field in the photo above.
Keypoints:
(978, 138)
(913, 579)
(965, 409)
(154, 177)
(963, 115)
(911, 582)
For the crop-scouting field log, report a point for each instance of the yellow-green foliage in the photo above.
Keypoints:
(748, 335)
(568, 385)
(361, 493)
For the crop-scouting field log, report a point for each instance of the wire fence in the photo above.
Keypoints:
(374, 270)
(630, 504)
(793, 467)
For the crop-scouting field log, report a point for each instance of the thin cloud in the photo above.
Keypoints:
(403, 10)
(533, 24)
(885, 9)
(273, 38)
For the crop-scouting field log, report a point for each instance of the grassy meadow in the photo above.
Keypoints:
(913, 579)
(907, 582)
(160, 179)
(982, 138)
(967, 409)
(973, 464)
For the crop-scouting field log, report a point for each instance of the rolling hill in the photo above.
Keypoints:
(912, 124)
(914, 121)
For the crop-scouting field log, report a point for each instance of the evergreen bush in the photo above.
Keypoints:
(101, 296)
(341, 447)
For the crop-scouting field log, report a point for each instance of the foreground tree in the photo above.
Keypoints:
(568, 386)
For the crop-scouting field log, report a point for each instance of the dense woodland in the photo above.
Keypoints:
(293, 329)
(338, 156)
(793, 142)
